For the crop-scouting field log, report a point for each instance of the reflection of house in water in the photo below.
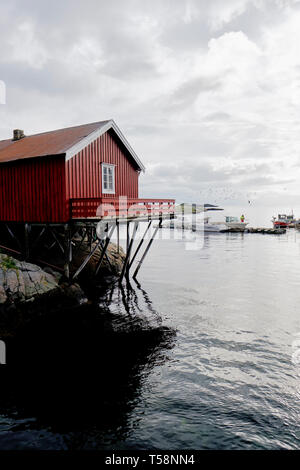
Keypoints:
(76, 376)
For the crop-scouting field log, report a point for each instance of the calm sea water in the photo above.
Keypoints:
(201, 355)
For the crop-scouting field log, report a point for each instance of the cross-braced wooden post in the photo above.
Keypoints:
(67, 250)
(145, 253)
(26, 245)
(129, 248)
(104, 248)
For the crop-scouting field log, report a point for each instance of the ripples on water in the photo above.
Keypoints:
(117, 376)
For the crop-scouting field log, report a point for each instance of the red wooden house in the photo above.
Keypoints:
(66, 174)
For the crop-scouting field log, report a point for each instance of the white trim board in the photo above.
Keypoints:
(113, 190)
(72, 151)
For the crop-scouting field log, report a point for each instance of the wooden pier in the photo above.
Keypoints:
(262, 230)
(92, 224)
(267, 231)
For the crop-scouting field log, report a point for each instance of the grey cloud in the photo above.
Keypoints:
(195, 182)
(188, 92)
(217, 117)
(55, 79)
(256, 17)
(192, 173)
(266, 181)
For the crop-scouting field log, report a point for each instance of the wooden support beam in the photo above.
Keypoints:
(50, 246)
(106, 243)
(70, 249)
(145, 253)
(87, 259)
(140, 244)
(13, 236)
(129, 248)
(90, 236)
(118, 236)
(38, 238)
(135, 229)
(160, 218)
(26, 244)
(127, 236)
(81, 242)
(67, 248)
(57, 240)
(11, 250)
(106, 256)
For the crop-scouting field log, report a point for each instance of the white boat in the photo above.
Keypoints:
(208, 226)
(199, 224)
(202, 224)
(235, 223)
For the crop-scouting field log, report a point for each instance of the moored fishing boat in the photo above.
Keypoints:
(235, 223)
(297, 224)
(284, 221)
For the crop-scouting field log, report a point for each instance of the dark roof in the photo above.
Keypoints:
(68, 141)
(47, 143)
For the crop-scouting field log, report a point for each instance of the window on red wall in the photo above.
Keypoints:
(108, 178)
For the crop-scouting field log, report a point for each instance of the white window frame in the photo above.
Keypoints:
(112, 167)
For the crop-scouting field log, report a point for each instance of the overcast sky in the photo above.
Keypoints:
(206, 91)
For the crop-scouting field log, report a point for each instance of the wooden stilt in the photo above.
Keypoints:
(38, 238)
(118, 236)
(70, 250)
(13, 236)
(140, 244)
(51, 246)
(90, 237)
(67, 245)
(52, 231)
(127, 236)
(160, 220)
(87, 259)
(145, 253)
(81, 242)
(129, 248)
(108, 260)
(26, 232)
(135, 229)
(105, 254)
(106, 243)
(66, 237)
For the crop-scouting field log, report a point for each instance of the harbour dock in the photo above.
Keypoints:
(263, 230)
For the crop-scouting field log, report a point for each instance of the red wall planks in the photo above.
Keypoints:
(84, 178)
(39, 189)
(33, 190)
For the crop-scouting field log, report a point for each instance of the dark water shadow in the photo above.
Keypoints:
(73, 378)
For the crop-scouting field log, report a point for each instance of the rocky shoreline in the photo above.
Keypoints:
(29, 290)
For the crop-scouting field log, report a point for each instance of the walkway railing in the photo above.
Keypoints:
(97, 208)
